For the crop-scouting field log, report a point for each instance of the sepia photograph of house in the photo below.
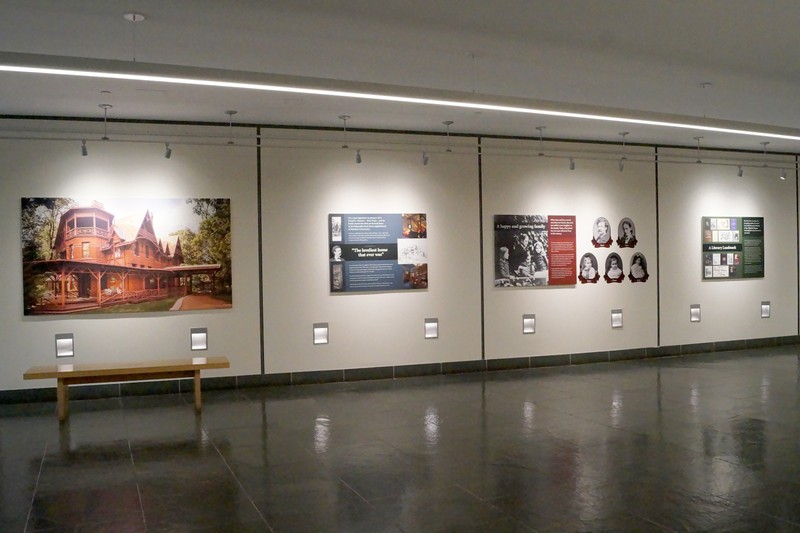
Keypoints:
(125, 255)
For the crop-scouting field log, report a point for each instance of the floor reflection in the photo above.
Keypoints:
(693, 443)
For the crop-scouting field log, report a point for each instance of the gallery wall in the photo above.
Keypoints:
(570, 318)
(731, 309)
(303, 182)
(133, 170)
(305, 175)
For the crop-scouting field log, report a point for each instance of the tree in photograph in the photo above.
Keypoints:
(212, 243)
(39, 222)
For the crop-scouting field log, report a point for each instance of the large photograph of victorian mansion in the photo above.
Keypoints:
(125, 255)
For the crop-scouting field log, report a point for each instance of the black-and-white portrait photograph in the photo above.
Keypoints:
(588, 272)
(638, 269)
(614, 272)
(626, 233)
(601, 233)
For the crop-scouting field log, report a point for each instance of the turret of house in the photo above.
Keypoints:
(88, 234)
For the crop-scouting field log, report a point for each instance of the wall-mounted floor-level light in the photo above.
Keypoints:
(765, 309)
(431, 328)
(694, 313)
(528, 324)
(167, 151)
(320, 331)
(616, 318)
(198, 338)
(65, 345)
(84, 150)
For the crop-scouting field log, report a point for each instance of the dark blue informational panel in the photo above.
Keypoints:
(377, 252)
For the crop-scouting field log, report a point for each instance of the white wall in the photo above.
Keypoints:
(301, 186)
(306, 176)
(128, 169)
(570, 319)
(730, 309)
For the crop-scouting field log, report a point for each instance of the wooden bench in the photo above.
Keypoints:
(69, 374)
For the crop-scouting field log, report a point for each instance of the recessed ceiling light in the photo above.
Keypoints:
(134, 17)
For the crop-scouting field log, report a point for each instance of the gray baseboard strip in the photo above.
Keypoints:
(119, 390)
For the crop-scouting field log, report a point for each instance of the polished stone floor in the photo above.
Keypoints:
(697, 443)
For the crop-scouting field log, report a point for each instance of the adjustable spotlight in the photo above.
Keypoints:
(571, 164)
(621, 165)
(622, 158)
(425, 158)
(167, 151)
(358, 156)
(783, 173)
(740, 172)
(84, 150)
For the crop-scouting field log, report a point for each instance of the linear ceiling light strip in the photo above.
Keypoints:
(386, 98)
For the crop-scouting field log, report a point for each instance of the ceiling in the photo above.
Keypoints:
(698, 61)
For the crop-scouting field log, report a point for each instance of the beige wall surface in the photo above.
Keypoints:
(306, 175)
(572, 318)
(301, 186)
(134, 170)
(730, 309)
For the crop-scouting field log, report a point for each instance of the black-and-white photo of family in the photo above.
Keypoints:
(521, 246)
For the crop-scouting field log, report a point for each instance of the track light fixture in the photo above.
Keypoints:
(344, 119)
(167, 151)
(622, 159)
(84, 150)
(698, 139)
(230, 113)
(358, 156)
(105, 108)
(571, 163)
(425, 159)
(740, 172)
(447, 124)
(764, 151)
(541, 139)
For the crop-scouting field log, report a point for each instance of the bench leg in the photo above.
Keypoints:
(197, 402)
(62, 396)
